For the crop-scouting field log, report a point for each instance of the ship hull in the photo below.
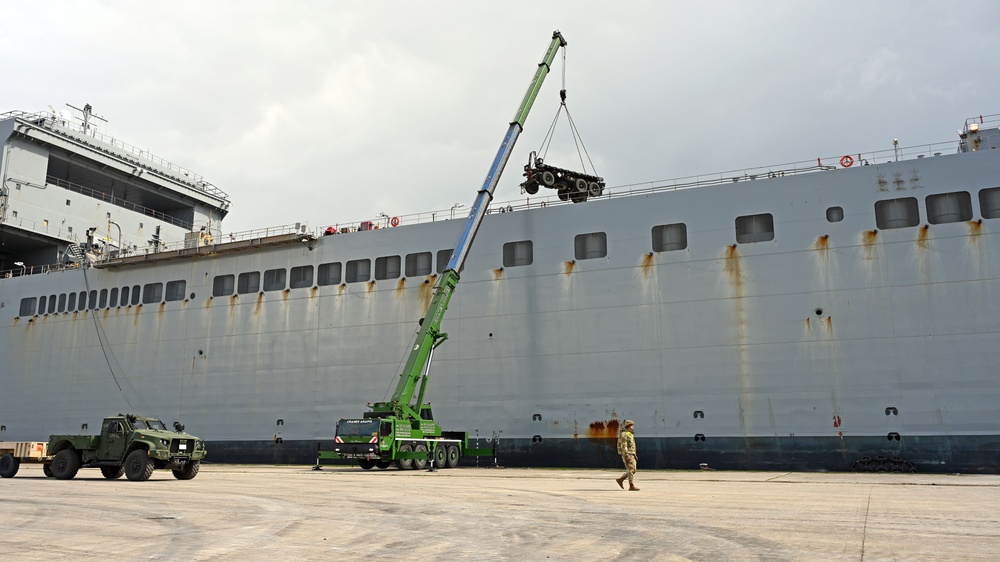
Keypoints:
(832, 345)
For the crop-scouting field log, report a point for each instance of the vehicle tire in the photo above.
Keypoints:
(366, 464)
(578, 197)
(441, 456)
(420, 464)
(9, 466)
(581, 185)
(383, 464)
(189, 471)
(404, 464)
(138, 466)
(563, 195)
(547, 178)
(594, 189)
(453, 456)
(65, 464)
(531, 188)
(112, 472)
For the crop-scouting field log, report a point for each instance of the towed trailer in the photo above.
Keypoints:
(13, 453)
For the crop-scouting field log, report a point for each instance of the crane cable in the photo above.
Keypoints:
(581, 149)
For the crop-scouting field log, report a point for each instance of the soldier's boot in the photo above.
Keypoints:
(621, 482)
(632, 487)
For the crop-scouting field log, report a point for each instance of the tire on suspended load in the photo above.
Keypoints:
(563, 194)
(113, 472)
(420, 464)
(547, 178)
(594, 189)
(452, 456)
(581, 185)
(366, 464)
(531, 187)
(578, 197)
(9, 466)
(404, 464)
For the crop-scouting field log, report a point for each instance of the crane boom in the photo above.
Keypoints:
(429, 335)
(402, 430)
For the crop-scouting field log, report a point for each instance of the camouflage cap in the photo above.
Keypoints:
(628, 423)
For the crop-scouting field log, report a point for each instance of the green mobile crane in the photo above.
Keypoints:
(402, 430)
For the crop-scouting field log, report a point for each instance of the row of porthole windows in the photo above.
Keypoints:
(150, 293)
(941, 208)
(889, 214)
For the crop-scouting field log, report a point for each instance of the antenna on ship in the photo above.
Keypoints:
(88, 114)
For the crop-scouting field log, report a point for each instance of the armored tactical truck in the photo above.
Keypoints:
(129, 445)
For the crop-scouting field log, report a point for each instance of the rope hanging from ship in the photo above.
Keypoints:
(102, 338)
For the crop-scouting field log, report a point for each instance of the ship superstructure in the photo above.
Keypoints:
(821, 315)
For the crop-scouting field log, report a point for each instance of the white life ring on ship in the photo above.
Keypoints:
(847, 161)
(394, 221)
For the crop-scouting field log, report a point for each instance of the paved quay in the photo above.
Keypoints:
(233, 512)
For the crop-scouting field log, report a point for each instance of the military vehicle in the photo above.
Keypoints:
(129, 445)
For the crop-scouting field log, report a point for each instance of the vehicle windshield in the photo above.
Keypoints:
(357, 428)
(148, 424)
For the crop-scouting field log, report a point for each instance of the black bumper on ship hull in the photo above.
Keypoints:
(931, 454)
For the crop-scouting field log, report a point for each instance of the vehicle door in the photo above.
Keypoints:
(112, 441)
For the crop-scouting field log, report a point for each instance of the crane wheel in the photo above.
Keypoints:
(548, 178)
(420, 464)
(441, 456)
(404, 464)
(452, 455)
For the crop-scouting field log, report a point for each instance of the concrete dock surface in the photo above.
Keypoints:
(277, 513)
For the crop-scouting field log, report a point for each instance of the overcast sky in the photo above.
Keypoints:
(334, 112)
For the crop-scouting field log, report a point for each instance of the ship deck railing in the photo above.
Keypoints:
(763, 173)
(48, 121)
(823, 164)
(117, 201)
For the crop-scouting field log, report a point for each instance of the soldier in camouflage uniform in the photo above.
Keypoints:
(626, 448)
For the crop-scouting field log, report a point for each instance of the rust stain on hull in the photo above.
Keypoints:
(822, 244)
(734, 271)
(371, 286)
(497, 273)
(829, 324)
(427, 291)
(569, 266)
(313, 292)
(922, 237)
(647, 265)
(400, 288)
(603, 430)
(341, 289)
(868, 238)
(975, 231)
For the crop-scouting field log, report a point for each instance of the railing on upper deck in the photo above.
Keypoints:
(46, 121)
(763, 173)
(117, 201)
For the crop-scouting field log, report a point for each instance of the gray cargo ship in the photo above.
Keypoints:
(827, 315)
